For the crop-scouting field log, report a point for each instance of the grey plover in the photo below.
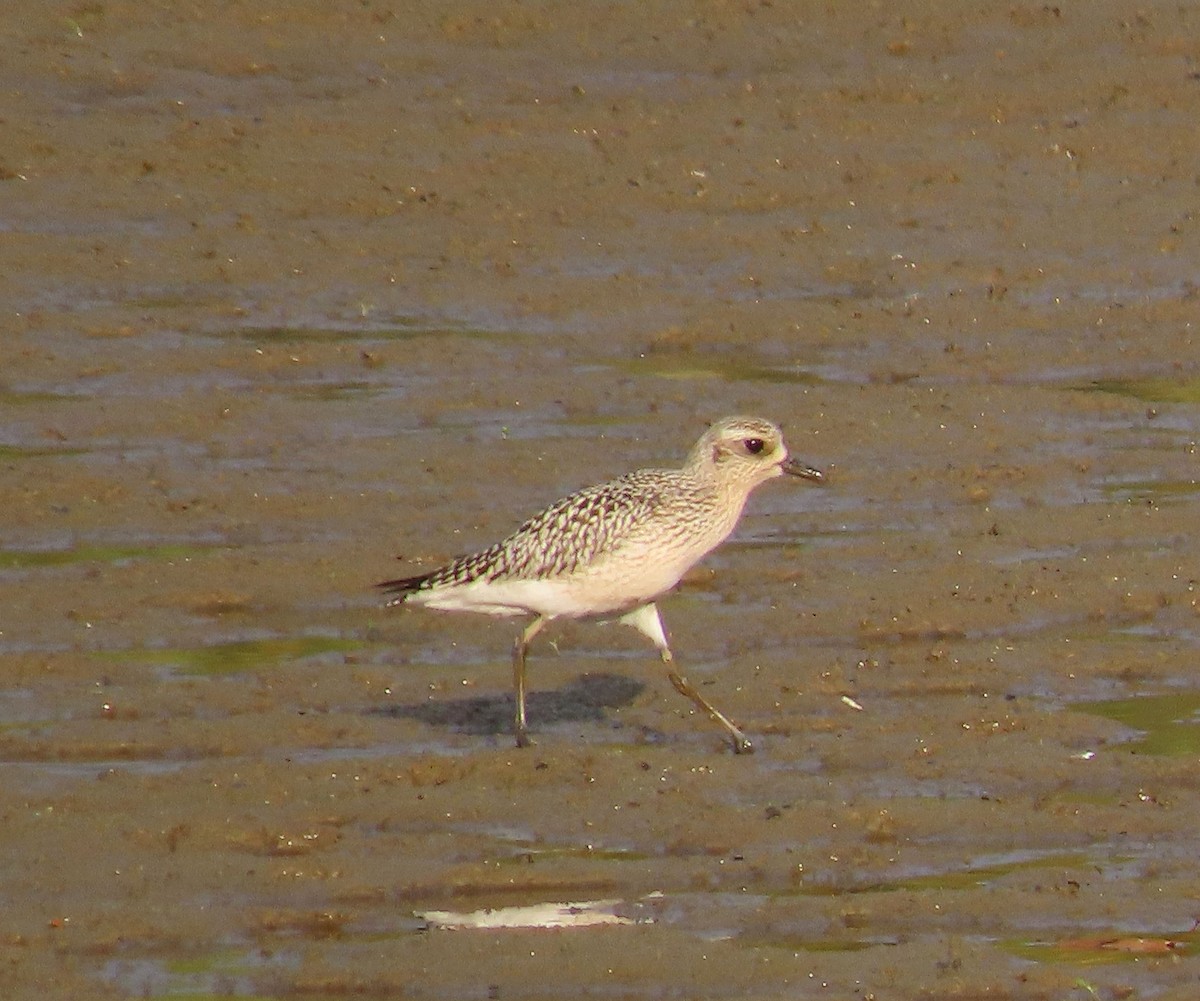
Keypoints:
(611, 550)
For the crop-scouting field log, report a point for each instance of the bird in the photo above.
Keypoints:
(612, 550)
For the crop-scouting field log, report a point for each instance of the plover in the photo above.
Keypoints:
(611, 550)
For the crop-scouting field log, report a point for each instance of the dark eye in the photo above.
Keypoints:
(753, 445)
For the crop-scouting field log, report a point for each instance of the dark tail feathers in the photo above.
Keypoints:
(400, 588)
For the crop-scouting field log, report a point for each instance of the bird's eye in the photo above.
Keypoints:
(753, 445)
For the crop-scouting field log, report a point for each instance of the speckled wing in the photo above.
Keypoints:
(567, 536)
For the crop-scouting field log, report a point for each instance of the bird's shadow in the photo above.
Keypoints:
(586, 699)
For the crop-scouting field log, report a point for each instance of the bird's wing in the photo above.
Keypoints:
(568, 535)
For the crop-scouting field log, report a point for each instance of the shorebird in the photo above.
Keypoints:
(612, 550)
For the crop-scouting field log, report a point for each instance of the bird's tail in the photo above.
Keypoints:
(399, 589)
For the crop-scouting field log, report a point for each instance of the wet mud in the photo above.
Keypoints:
(290, 291)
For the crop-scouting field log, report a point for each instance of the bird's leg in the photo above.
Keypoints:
(519, 648)
(741, 743)
(646, 621)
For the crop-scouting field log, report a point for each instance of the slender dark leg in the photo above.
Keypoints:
(741, 744)
(519, 648)
(647, 622)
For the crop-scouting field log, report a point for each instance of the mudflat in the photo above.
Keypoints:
(290, 290)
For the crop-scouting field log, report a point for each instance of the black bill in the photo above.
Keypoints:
(803, 470)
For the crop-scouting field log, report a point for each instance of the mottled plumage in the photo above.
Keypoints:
(569, 534)
(614, 548)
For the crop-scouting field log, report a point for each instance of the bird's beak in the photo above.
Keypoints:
(803, 470)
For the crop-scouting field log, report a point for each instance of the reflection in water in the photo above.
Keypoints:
(550, 914)
(237, 656)
(1169, 724)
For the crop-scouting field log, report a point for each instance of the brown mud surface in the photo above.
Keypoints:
(290, 289)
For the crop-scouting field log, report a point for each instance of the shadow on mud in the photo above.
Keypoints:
(586, 699)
